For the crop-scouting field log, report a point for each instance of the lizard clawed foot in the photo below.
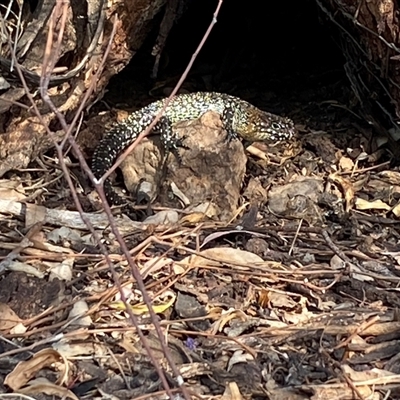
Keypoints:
(173, 144)
(231, 135)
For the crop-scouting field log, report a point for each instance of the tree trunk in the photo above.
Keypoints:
(369, 33)
(86, 35)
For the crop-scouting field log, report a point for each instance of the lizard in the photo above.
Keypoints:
(240, 119)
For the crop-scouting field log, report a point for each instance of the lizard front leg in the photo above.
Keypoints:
(227, 121)
(169, 140)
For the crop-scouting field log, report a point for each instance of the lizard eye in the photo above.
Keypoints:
(276, 126)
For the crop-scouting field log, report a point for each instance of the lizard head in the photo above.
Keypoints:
(256, 125)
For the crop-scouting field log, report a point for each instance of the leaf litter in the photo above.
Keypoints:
(295, 299)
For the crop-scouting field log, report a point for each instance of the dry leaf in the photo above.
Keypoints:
(60, 235)
(374, 373)
(84, 348)
(232, 392)
(391, 177)
(239, 357)
(362, 204)
(18, 329)
(128, 346)
(63, 270)
(25, 370)
(167, 217)
(8, 318)
(347, 189)
(11, 190)
(140, 309)
(336, 263)
(222, 255)
(193, 218)
(279, 300)
(275, 392)
(357, 273)
(226, 317)
(18, 266)
(155, 264)
(200, 212)
(396, 210)
(42, 385)
(346, 164)
(79, 310)
(263, 298)
(324, 392)
(178, 270)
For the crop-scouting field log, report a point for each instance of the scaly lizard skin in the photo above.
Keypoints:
(239, 118)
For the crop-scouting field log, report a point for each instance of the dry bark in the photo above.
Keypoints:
(86, 36)
(369, 32)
